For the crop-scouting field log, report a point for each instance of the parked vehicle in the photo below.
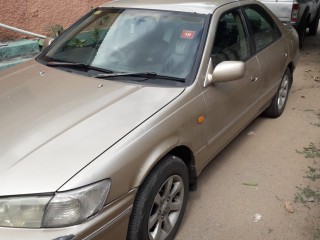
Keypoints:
(302, 14)
(106, 131)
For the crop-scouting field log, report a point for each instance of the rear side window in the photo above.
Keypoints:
(264, 29)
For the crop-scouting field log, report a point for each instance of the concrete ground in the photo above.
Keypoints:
(242, 193)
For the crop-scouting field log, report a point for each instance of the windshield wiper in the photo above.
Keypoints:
(139, 74)
(79, 65)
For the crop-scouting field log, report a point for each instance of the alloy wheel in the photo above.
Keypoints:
(166, 208)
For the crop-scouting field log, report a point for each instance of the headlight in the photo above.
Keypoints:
(73, 207)
(22, 212)
(61, 210)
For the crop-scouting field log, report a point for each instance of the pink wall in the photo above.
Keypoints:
(35, 15)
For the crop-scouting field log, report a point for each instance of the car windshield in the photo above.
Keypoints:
(130, 40)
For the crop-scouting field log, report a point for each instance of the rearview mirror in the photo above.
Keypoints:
(228, 71)
(225, 71)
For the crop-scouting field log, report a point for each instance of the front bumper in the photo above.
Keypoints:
(110, 223)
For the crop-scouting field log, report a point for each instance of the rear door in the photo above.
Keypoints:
(270, 47)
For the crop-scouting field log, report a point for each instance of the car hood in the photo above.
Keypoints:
(54, 123)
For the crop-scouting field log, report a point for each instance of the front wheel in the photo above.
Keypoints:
(279, 100)
(160, 202)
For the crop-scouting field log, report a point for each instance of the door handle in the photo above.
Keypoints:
(285, 55)
(253, 79)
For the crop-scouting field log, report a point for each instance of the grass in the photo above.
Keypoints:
(317, 124)
(310, 152)
(317, 114)
(305, 194)
(313, 174)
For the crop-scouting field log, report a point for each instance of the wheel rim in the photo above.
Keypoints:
(283, 92)
(166, 208)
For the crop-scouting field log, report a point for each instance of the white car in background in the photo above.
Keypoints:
(302, 14)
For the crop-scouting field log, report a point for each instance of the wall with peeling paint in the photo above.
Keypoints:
(35, 15)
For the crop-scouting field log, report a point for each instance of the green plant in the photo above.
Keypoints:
(96, 34)
(306, 194)
(318, 117)
(40, 43)
(313, 174)
(310, 152)
(54, 30)
(101, 23)
(76, 42)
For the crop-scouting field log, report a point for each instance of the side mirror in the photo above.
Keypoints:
(225, 71)
(47, 41)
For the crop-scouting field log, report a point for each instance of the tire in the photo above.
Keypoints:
(302, 32)
(160, 202)
(315, 24)
(279, 100)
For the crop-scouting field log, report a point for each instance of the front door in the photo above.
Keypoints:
(230, 105)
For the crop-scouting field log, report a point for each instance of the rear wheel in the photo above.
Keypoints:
(315, 24)
(160, 202)
(279, 100)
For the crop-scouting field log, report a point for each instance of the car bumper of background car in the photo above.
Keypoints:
(110, 223)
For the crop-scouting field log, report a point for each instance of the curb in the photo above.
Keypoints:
(12, 53)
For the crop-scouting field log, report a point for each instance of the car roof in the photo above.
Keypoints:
(202, 7)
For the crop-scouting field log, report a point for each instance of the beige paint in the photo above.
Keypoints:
(35, 15)
(66, 121)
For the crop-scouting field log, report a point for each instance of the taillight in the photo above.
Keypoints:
(295, 11)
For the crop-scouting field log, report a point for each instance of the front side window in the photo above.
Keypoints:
(130, 40)
(231, 40)
(264, 29)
